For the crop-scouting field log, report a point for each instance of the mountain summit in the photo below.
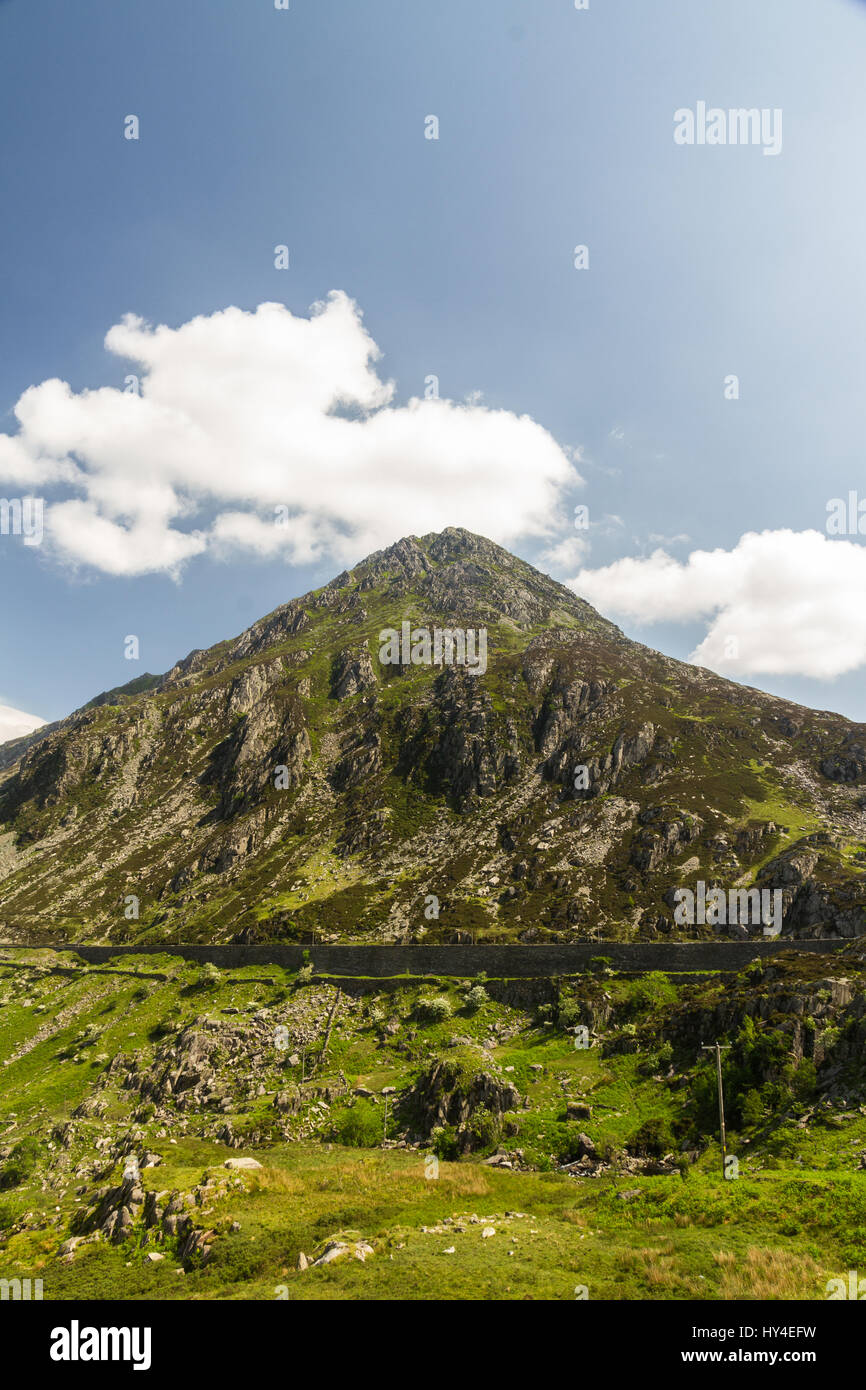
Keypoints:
(323, 775)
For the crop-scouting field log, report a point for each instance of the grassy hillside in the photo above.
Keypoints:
(394, 1124)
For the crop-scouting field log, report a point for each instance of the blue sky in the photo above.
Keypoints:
(307, 127)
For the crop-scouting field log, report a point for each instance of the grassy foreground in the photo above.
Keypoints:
(439, 1144)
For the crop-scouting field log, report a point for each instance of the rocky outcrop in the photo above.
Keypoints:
(662, 837)
(847, 765)
(452, 1090)
(822, 1020)
(351, 673)
(456, 743)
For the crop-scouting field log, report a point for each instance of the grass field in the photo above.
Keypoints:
(96, 1066)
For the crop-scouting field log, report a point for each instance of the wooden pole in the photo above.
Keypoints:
(717, 1048)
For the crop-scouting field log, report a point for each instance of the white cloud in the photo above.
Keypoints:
(241, 413)
(14, 723)
(559, 559)
(792, 601)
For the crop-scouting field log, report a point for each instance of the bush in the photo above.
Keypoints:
(443, 1142)
(657, 1061)
(565, 1141)
(666, 1054)
(207, 978)
(752, 1109)
(20, 1164)
(653, 1139)
(570, 1014)
(8, 1216)
(651, 991)
(476, 997)
(484, 1128)
(358, 1126)
(304, 976)
(805, 1080)
(435, 1010)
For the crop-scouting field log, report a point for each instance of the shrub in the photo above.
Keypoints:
(830, 1037)
(443, 1142)
(566, 1141)
(657, 1061)
(569, 1014)
(435, 1010)
(20, 1163)
(752, 1109)
(207, 978)
(759, 1061)
(484, 1128)
(304, 976)
(804, 1080)
(8, 1216)
(358, 1126)
(476, 997)
(653, 1139)
(651, 991)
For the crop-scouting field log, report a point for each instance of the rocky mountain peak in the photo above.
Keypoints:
(293, 781)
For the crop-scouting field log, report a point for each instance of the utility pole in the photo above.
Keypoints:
(385, 1123)
(719, 1048)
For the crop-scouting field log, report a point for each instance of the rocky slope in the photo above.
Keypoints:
(288, 784)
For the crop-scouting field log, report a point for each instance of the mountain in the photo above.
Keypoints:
(30, 731)
(291, 784)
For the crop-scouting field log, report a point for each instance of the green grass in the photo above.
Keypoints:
(795, 1217)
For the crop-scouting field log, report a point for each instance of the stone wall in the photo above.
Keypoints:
(379, 962)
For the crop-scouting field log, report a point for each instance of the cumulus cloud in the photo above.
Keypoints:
(248, 419)
(778, 603)
(562, 557)
(14, 723)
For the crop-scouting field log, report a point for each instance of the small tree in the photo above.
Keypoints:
(476, 996)
(435, 1010)
(208, 978)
